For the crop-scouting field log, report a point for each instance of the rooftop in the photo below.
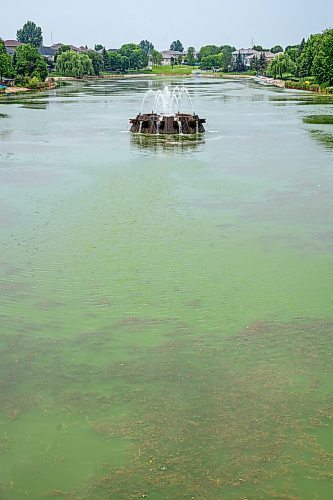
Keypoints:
(12, 43)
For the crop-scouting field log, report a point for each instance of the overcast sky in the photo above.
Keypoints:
(195, 22)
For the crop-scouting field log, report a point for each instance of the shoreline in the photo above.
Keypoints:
(51, 82)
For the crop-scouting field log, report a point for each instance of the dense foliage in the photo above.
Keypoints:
(311, 58)
(29, 63)
(177, 46)
(280, 65)
(213, 57)
(30, 33)
(146, 46)
(308, 63)
(6, 67)
(74, 64)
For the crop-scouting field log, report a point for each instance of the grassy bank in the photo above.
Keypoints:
(308, 85)
(175, 70)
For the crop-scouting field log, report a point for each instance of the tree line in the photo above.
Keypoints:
(311, 58)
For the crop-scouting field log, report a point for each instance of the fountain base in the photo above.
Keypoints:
(180, 123)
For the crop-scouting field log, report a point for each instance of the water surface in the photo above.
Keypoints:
(166, 305)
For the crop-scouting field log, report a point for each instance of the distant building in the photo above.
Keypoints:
(244, 55)
(11, 46)
(247, 55)
(58, 46)
(48, 53)
(168, 55)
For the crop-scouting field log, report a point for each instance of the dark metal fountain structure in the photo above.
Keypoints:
(180, 123)
(164, 120)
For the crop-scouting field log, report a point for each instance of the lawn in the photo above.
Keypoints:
(175, 70)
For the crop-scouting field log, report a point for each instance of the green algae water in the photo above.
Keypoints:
(166, 305)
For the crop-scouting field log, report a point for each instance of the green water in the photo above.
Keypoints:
(166, 305)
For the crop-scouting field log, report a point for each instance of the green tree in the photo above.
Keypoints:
(98, 47)
(300, 48)
(306, 59)
(292, 52)
(146, 46)
(61, 50)
(137, 58)
(29, 63)
(117, 62)
(74, 64)
(180, 60)
(106, 60)
(262, 62)
(259, 48)
(172, 61)
(190, 56)
(213, 61)
(238, 65)
(6, 68)
(177, 46)
(226, 60)
(97, 61)
(30, 33)
(281, 64)
(157, 58)
(208, 50)
(276, 49)
(254, 63)
(322, 67)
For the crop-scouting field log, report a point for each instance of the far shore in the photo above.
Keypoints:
(52, 81)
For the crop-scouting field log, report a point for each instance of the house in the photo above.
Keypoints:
(11, 46)
(244, 55)
(247, 55)
(168, 55)
(48, 53)
(57, 46)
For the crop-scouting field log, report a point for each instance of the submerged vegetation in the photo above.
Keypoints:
(249, 423)
(319, 119)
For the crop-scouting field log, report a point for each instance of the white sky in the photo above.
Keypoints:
(194, 22)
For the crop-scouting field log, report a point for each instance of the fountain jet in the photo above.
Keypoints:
(166, 117)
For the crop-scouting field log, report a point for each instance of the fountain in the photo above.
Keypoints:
(166, 117)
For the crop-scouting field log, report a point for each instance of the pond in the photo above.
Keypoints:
(166, 304)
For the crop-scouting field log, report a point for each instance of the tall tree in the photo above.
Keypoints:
(146, 46)
(254, 63)
(29, 63)
(262, 62)
(276, 49)
(322, 63)
(157, 58)
(137, 58)
(239, 64)
(208, 50)
(177, 46)
(259, 48)
(6, 67)
(300, 48)
(306, 59)
(106, 60)
(72, 63)
(190, 57)
(97, 61)
(292, 51)
(30, 33)
(61, 50)
(280, 65)
(226, 59)
(98, 47)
